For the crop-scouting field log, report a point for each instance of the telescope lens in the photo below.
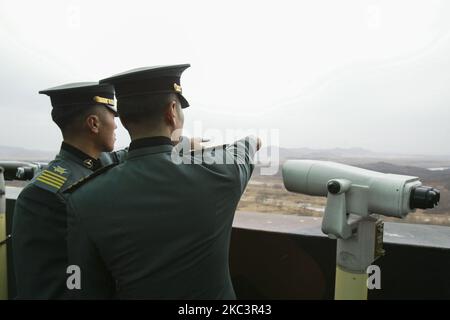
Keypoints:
(424, 198)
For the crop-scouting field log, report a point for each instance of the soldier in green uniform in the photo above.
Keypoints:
(160, 228)
(85, 114)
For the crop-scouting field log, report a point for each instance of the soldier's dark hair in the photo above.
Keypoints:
(147, 109)
(71, 121)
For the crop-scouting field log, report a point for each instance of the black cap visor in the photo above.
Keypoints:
(183, 101)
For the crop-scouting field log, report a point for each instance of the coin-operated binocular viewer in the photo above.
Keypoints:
(355, 198)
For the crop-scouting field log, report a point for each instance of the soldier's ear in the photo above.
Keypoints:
(171, 113)
(93, 123)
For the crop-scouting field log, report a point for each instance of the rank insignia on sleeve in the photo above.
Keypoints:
(52, 179)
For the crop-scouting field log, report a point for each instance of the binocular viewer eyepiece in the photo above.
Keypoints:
(424, 198)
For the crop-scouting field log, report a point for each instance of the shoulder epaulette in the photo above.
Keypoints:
(90, 177)
(53, 178)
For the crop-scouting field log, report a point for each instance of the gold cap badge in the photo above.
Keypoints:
(177, 88)
(104, 100)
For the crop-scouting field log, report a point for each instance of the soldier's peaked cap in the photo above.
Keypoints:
(149, 81)
(72, 96)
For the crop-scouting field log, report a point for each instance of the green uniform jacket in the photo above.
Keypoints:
(40, 224)
(158, 229)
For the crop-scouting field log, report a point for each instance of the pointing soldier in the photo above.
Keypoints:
(160, 228)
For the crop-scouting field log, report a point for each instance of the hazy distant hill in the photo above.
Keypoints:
(353, 156)
(407, 170)
(326, 153)
(15, 153)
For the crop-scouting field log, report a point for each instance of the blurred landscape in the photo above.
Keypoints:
(267, 193)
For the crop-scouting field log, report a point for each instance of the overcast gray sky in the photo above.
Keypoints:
(371, 74)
